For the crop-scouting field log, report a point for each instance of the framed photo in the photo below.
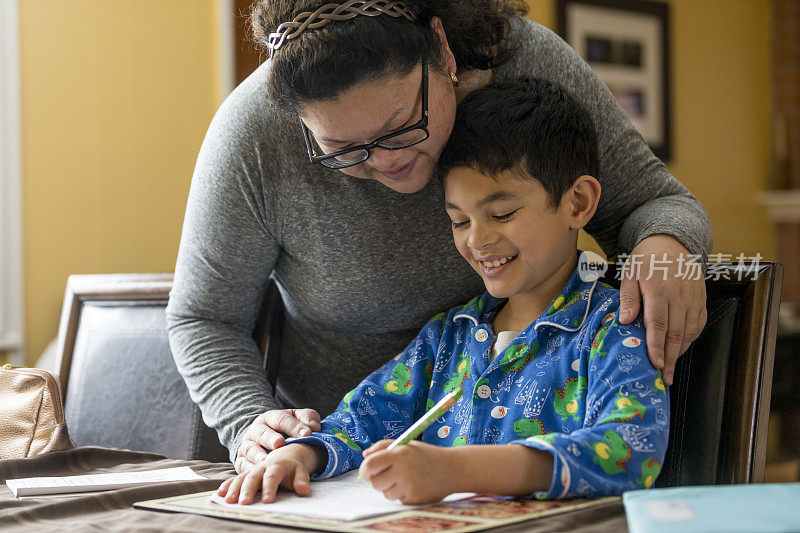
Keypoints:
(627, 43)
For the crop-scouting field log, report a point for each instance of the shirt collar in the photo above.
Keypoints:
(567, 311)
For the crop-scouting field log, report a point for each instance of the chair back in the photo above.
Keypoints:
(720, 397)
(120, 384)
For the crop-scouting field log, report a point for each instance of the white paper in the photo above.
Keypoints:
(33, 486)
(341, 498)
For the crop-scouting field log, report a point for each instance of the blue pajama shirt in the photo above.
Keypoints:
(575, 383)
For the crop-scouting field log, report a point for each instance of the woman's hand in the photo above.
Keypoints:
(287, 467)
(674, 305)
(267, 433)
(413, 473)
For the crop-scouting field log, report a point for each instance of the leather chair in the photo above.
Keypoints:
(720, 398)
(119, 382)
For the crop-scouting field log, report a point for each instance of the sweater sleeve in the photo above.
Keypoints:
(639, 196)
(382, 406)
(622, 443)
(226, 255)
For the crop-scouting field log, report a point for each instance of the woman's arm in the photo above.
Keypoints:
(226, 255)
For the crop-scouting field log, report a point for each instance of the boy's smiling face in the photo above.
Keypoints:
(508, 231)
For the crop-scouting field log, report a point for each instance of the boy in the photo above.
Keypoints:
(559, 400)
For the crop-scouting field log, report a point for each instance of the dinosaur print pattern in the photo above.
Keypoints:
(566, 401)
(401, 380)
(528, 427)
(611, 453)
(517, 356)
(650, 470)
(626, 408)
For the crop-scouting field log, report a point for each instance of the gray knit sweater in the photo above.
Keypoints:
(361, 267)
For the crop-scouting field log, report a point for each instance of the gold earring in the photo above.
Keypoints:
(454, 78)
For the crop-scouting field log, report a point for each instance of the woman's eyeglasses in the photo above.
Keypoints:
(398, 140)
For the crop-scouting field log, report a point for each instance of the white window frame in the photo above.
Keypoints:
(11, 303)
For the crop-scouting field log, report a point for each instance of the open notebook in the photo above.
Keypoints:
(340, 498)
(345, 504)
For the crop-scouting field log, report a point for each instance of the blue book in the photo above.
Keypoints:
(708, 509)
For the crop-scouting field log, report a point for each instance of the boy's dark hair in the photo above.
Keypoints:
(529, 125)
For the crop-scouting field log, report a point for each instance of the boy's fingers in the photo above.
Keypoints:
(273, 477)
(223, 488)
(301, 483)
(250, 485)
(233, 489)
(384, 480)
(374, 465)
(378, 446)
(630, 298)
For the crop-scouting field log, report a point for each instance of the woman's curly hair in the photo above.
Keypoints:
(320, 64)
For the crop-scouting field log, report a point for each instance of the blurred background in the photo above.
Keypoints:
(106, 104)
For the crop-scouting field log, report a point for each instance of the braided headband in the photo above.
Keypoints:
(325, 14)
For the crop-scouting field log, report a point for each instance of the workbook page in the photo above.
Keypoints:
(342, 498)
(34, 486)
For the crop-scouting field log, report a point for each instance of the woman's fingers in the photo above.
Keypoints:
(656, 322)
(284, 421)
(242, 465)
(630, 296)
(252, 452)
(309, 417)
(675, 334)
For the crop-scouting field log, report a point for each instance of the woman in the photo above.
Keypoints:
(318, 170)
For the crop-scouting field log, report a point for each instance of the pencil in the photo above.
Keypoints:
(427, 419)
(416, 429)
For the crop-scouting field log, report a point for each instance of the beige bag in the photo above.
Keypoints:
(31, 413)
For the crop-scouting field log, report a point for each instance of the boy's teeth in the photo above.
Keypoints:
(497, 262)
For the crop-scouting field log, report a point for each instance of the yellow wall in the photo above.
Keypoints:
(721, 105)
(116, 98)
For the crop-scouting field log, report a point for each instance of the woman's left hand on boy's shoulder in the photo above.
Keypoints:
(659, 280)
(413, 473)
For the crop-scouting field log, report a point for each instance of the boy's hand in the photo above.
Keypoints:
(287, 467)
(674, 308)
(267, 433)
(413, 473)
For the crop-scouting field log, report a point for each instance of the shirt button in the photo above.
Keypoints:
(481, 335)
(484, 391)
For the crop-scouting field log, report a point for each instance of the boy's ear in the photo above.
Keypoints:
(582, 199)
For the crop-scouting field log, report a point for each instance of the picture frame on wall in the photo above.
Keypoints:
(626, 42)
